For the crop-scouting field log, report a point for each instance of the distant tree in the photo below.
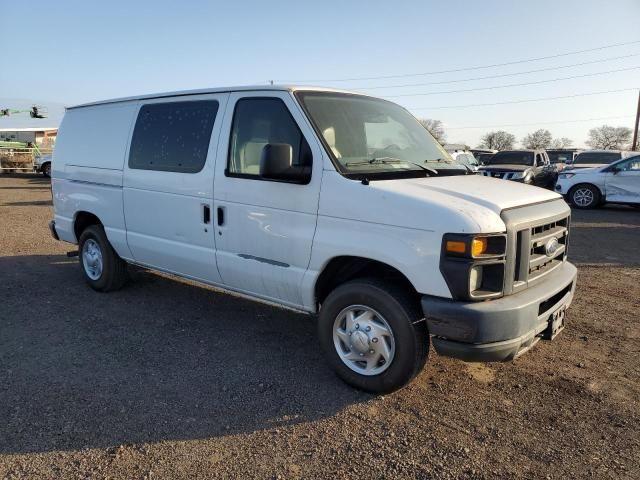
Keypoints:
(563, 142)
(539, 139)
(436, 129)
(498, 140)
(609, 138)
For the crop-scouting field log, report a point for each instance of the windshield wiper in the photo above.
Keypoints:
(389, 161)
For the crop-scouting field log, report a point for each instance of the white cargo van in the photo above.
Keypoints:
(323, 201)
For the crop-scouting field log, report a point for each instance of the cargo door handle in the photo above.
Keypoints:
(206, 214)
(220, 216)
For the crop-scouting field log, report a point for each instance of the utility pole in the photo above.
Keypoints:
(634, 145)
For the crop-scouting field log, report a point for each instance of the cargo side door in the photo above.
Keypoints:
(265, 228)
(168, 185)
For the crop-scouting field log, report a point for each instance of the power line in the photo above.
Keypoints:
(541, 99)
(466, 69)
(541, 123)
(496, 76)
(513, 84)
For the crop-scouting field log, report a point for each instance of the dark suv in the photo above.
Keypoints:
(598, 158)
(527, 166)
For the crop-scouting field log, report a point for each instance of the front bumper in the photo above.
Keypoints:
(501, 329)
(52, 229)
(562, 187)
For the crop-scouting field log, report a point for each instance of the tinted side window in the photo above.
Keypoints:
(597, 157)
(173, 137)
(633, 164)
(256, 123)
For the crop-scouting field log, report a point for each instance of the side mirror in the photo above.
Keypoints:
(276, 163)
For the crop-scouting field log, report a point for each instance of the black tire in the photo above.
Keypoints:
(581, 204)
(402, 313)
(114, 270)
(46, 169)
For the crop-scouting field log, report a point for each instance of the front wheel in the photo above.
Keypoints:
(373, 335)
(585, 196)
(46, 170)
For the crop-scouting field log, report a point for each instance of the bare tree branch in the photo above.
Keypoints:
(498, 140)
(609, 138)
(436, 129)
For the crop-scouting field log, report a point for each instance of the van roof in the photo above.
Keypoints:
(201, 91)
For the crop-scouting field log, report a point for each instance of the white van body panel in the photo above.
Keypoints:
(276, 237)
(401, 222)
(164, 210)
(87, 170)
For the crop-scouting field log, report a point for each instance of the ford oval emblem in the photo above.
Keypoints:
(551, 247)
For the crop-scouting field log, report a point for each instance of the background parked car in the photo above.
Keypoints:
(598, 158)
(482, 154)
(461, 154)
(560, 157)
(42, 164)
(527, 166)
(591, 187)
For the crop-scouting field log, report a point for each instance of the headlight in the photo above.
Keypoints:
(474, 246)
(566, 175)
(473, 265)
(517, 175)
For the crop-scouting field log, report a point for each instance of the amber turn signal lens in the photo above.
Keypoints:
(478, 246)
(456, 247)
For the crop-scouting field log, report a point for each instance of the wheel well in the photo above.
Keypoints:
(585, 184)
(342, 269)
(83, 220)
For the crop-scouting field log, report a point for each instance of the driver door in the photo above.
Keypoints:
(264, 228)
(623, 184)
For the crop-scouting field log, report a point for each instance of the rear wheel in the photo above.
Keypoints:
(373, 335)
(103, 269)
(46, 169)
(585, 196)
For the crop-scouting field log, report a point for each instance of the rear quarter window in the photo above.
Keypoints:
(173, 136)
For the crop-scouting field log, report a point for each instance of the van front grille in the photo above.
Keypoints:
(536, 245)
(548, 247)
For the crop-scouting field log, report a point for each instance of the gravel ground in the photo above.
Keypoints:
(167, 379)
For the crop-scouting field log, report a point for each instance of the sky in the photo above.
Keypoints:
(62, 53)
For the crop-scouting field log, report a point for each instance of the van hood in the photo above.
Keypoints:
(492, 193)
(465, 203)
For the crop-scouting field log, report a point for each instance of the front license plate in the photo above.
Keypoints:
(556, 321)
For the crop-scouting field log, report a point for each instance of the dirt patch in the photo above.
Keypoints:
(481, 372)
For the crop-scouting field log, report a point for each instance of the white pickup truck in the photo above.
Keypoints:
(323, 201)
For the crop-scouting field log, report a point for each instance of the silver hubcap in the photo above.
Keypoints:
(583, 197)
(363, 340)
(92, 259)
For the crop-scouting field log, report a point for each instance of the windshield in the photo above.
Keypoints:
(560, 157)
(483, 157)
(368, 135)
(510, 158)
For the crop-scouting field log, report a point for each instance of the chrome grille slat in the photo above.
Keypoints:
(554, 232)
(538, 259)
